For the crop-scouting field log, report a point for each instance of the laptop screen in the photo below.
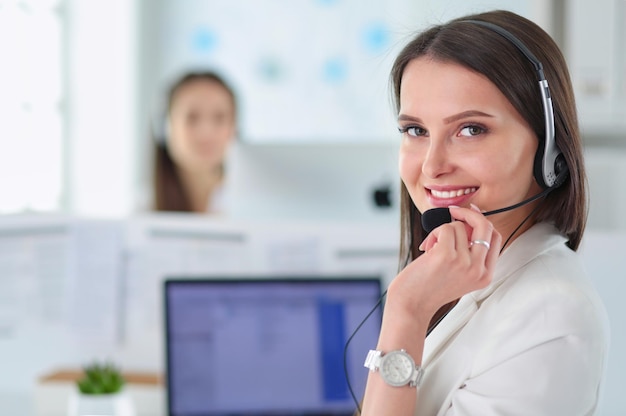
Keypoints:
(268, 346)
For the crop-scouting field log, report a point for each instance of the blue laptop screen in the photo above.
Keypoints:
(267, 346)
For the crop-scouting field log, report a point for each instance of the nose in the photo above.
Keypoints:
(206, 125)
(436, 161)
(206, 129)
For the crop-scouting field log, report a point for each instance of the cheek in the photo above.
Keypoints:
(227, 133)
(510, 177)
(179, 139)
(179, 143)
(409, 167)
(519, 163)
(410, 170)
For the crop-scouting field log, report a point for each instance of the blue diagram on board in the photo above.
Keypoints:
(326, 2)
(335, 70)
(376, 37)
(204, 40)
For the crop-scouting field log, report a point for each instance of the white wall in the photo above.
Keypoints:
(606, 173)
(606, 265)
(596, 51)
(102, 117)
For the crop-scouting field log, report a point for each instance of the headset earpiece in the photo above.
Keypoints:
(562, 171)
(550, 178)
(550, 168)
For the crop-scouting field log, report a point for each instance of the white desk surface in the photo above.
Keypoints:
(52, 400)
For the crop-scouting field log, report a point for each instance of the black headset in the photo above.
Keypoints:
(550, 168)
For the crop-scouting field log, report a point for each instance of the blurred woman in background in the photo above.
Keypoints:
(190, 148)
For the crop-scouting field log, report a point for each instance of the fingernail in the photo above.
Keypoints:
(475, 208)
(453, 206)
(421, 247)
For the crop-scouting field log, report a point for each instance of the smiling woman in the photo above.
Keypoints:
(492, 310)
(190, 147)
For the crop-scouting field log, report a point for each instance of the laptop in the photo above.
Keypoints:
(268, 346)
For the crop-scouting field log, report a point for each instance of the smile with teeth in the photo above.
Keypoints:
(452, 194)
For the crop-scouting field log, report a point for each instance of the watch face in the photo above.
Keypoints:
(396, 368)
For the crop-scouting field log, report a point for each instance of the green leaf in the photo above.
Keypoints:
(101, 378)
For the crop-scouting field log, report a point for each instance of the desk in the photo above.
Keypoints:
(146, 390)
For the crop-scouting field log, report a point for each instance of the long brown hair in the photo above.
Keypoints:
(168, 191)
(486, 52)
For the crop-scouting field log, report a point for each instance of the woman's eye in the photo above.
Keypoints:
(470, 131)
(192, 118)
(413, 131)
(220, 119)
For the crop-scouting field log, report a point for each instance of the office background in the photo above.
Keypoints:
(82, 80)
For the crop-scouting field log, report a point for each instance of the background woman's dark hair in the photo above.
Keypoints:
(168, 191)
(486, 52)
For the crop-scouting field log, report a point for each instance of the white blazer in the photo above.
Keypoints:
(534, 342)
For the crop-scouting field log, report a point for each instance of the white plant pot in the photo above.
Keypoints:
(117, 404)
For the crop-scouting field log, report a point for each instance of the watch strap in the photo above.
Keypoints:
(372, 361)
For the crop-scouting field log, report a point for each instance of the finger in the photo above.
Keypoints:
(481, 230)
(450, 236)
(460, 236)
(429, 242)
(480, 225)
(443, 236)
(494, 252)
(431, 238)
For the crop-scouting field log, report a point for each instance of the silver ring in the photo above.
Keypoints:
(482, 243)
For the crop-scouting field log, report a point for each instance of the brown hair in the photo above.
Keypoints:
(168, 191)
(486, 52)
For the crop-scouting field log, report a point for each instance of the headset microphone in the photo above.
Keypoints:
(435, 217)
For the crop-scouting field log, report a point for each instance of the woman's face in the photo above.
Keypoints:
(463, 142)
(201, 125)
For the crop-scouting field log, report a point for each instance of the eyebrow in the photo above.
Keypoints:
(448, 120)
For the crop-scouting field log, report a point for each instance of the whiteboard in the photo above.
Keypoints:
(306, 70)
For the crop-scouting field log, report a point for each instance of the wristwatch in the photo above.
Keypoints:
(397, 368)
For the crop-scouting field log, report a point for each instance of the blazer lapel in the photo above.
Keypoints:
(448, 327)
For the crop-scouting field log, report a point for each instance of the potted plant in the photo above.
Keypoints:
(100, 391)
